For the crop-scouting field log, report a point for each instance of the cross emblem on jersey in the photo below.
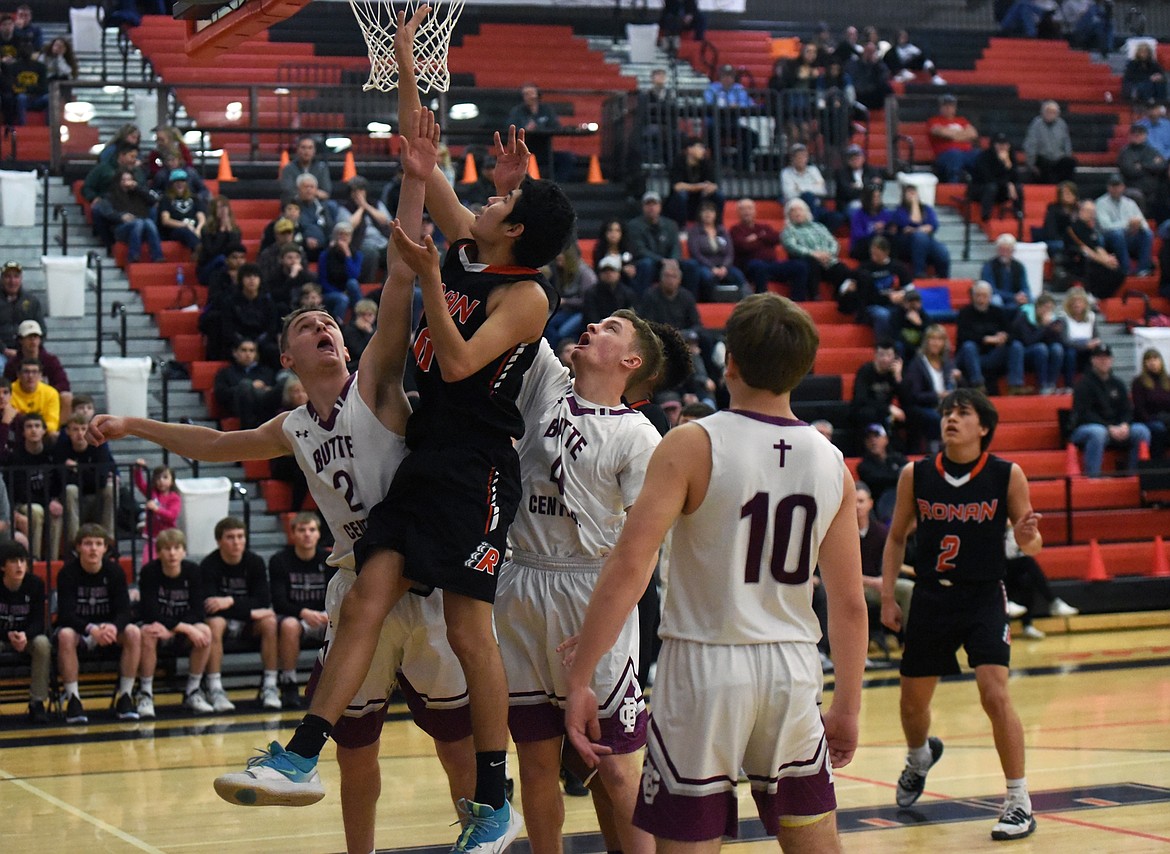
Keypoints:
(783, 447)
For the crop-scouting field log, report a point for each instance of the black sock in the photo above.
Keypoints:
(489, 777)
(311, 735)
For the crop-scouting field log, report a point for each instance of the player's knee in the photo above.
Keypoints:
(290, 629)
(995, 700)
(359, 764)
(266, 626)
(814, 834)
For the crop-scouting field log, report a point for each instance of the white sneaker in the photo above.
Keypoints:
(219, 701)
(1032, 633)
(274, 778)
(1060, 608)
(937, 80)
(197, 703)
(904, 76)
(145, 706)
(270, 697)
(1015, 822)
(1015, 610)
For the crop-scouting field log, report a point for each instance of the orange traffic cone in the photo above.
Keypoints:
(1072, 462)
(283, 162)
(533, 169)
(1144, 451)
(595, 176)
(225, 168)
(1161, 562)
(470, 173)
(349, 171)
(1096, 563)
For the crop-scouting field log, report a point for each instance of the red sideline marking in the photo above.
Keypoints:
(880, 822)
(1097, 802)
(1094, 826)
(1118, 653)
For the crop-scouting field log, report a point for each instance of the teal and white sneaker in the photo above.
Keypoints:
(488, 831)
(277, 777)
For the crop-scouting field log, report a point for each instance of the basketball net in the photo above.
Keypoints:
(378, 22)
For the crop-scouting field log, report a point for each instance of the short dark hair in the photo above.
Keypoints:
(677, 365)
(249, 269)
(977, 400)
(773, 341)
(34, 362)
(12, 550)
(123, 147)
(91, 530)
(648, 344)
(881, 243)
(32, 417)
(228, 523)
(548, 219)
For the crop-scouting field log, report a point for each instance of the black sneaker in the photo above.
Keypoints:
(574, 788)
(74, 711)
(1015, 823)
(913, 780)
(125, 708)
(290, 695)
(37, 713)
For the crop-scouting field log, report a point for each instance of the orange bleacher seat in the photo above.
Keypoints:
(1072, 562)
(841, 360)
(203, 374)
(845, 334)
(173, 253)
(146, 274)
(174, 322)
(713, 315)
(158, 299)
(188, 348)
(1107, 525)
(257, 469)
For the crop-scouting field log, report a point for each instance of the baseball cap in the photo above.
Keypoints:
(29, 327)
(284, 224)
(178, 174)
(1101, 350)
(948, 99)
(1000, 137)
(797, 146)
(727, 68)
(854, 149)
(651, 196)
(609, 262)
(12, 265)
(875, 430)
(1115, 179)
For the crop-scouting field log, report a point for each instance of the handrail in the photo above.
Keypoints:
(94, 261)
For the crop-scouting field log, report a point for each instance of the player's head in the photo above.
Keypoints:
(171, 546)
(772, 341)
(968, 399)
(306, 531)
(306, 331)
(232, 539)
(638, 349)
(676, 358)
(13, 561)
(547, 217)
(91, 542)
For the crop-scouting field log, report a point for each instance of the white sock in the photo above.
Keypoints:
(146, 685)
(214, 682)
(1017, 793)
(71, 690)
(288, 676)
(920, 756)
(193, 681)
(269, 678)
(125, 684)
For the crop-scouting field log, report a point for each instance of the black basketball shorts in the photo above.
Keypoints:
(942, 619)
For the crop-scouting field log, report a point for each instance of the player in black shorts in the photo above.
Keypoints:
(961, 500)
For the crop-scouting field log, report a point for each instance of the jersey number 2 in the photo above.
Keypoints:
(343, 477)
(948, 551)
(782, 535)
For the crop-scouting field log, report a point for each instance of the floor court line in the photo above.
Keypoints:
(1092, 825)
(103, 826)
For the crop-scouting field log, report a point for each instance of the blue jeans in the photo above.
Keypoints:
(878, 316)
(646, 274)
(338, 302)
(1046, 360)
(26, 102)
(1092, 439)
(923, 249)
(794, 273)
(562, 325)
(1125, 244)
(134, 233)
(952, 164)
(1007, 357)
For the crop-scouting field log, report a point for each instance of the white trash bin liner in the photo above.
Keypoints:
(18, 199)
(65, 284)
(643, 40)
(1033, 256)
(926, 183)
(126, 378)
(205, 502)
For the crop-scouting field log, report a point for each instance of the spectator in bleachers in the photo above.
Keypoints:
(953, 140)
(317, 217)
(26, 31)
(1048, 146)
(1100, 270)
(360, 329)
(290, 210)
(867, 221)
(710, 245)
(653, 238)
(986, 348)
(1102, 414)
(609, 294)
(245, 312)
(873, 542)
(927, 379)
(180, 213)
(852, 179)
(220, 232)
(284, 233)
(1093, 30)
(803, 180)
(173, 162)
(167, 139)
(16, 306)
(908, 322)
(1124, 230)
(238, 605)
(875, 390)
(1029, 19)
(914, 226)
(995, 178)
(290, 278)
(1081, 334)
(474, 195)
(163, 504)
(871, 78)
(22, 621)
(131, 210)
(1151, 400)
(668, 302)
(93, 611)
(310, 296)
(36, 487)
(26, 79)
(879, 467)
(677, 17)
(1007, 276)
(102, 178)
(727, 95)
(61, 61)
(127, 134)
(340, 269)
(1043, 340)
(371, 223)
(299, 576)
(809, 241)
(693, 180)
(904, 58)
(306, 162)
(171, 605)
(537, 119)
(612, 240)
(225, 279)
(795, 82)
(754, 252)
(82, 405)
(849, 47)
(880, 284)
(9, 43)
(29, 345)
(1023, 581)
(89, 476)
(1144, 171)
(1144, 79)
(244, 389)
(1158, 125)
(32, 394)
(572, 278)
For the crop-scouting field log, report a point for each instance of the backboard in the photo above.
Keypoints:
(216, 26)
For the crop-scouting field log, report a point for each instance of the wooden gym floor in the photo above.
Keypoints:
(1095, 706)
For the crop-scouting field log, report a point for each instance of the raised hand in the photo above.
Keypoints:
(420, 145)
(423, 259)
(511, 160)
(404, 34)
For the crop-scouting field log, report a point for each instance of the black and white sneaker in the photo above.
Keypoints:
(74, 711)
(290, 695)
(913, 779)
(37, 713)
(1016, 822)
(124, 707)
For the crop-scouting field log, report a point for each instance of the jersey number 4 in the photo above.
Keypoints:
(791, 545)
(947, 552)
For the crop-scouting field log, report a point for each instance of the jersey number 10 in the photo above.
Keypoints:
(783, 570)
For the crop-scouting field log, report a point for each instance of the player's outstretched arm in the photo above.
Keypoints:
(1025, 521)
(511, 161)
(679, 461)
(840, 562)
(901, 524)
(197, 443)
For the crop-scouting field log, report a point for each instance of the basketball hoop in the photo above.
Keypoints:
(378, 23)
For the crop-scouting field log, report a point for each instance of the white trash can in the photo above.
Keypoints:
(18, 199)
(146, 111)
(1033, 256)
(643, 41)
(126, 379)
(86, 31)
(926, 183)
(65, 284)
(205, 502)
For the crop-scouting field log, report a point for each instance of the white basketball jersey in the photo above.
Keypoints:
(741, 564)
(581, 464)
(349, 459)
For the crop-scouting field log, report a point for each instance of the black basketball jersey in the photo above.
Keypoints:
(482, 407)
(961, 520)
